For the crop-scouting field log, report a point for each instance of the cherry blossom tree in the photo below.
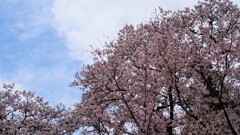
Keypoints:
(177, 74)
(23, 113)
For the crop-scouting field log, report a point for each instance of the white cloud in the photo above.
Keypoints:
(86, 22)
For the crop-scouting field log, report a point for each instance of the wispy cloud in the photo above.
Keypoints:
(26, 19)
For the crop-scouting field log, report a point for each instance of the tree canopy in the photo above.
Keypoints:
(177, 74)
(21, 112)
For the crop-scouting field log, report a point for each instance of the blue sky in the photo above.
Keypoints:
(43, 42)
